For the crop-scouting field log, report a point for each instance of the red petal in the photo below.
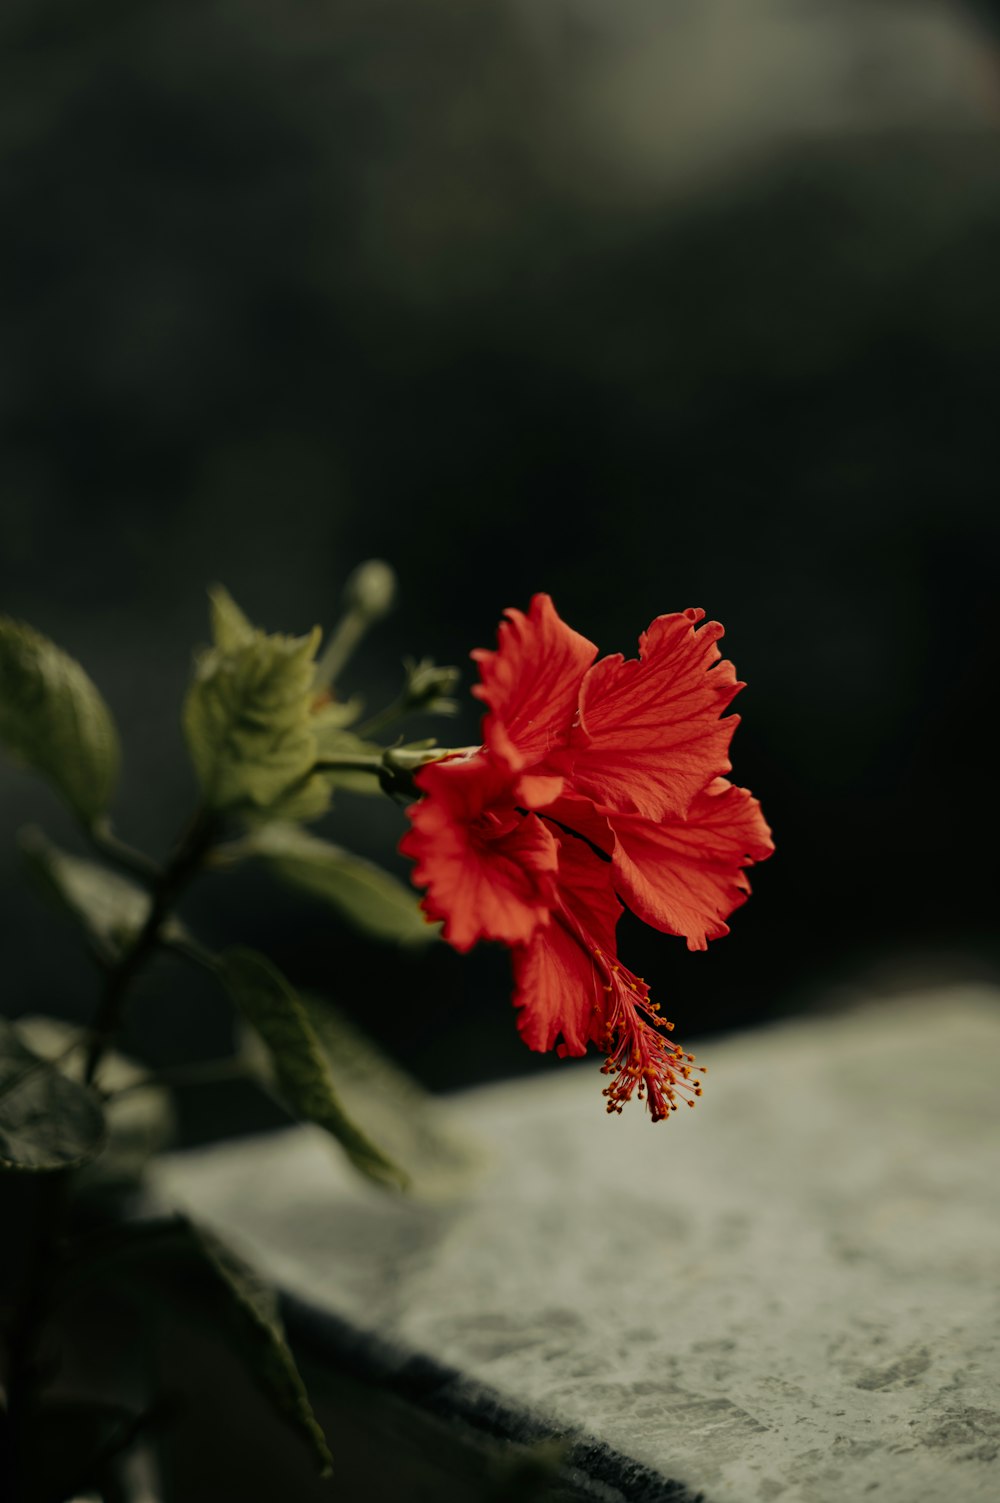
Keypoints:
(530, 684)
(586, 889)
(578, 816)
(684, 876)
(557, 987)
(650, 737)
(569, 982)
(556, 991)
(489, 871)
(538, 791)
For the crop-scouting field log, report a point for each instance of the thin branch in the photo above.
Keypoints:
(357, 763)
(189, 949)
(40, 1062)
(178, 872)
(397, 710)
(199, 1072)
(120, 854)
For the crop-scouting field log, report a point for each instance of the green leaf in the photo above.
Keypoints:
(311, 796)
(363, 893)
(108, 907)
(333, 714)
(230, 628)
(254, 1310)
(47, 1121)
(248, 716)
(138, 1113)
(273, 1009)
(160, 1254)
(413, 1127)
(53, 719)
(333, 741)
(304, 800)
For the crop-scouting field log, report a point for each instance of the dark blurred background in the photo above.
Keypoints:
(645, 304)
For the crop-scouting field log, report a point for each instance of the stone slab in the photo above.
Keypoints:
(789, 1293)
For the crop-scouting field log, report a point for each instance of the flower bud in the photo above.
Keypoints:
(429, 687)
(371, 589)
(368, 596)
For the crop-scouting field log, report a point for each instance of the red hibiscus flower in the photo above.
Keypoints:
(595, 781)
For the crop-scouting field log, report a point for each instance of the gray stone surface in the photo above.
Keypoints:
(790, 1292)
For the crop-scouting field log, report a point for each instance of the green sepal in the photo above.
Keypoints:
(301, 1074)
(54, 720)
(368, 897)
(248, 715)
(47, 1121)
(109, 908)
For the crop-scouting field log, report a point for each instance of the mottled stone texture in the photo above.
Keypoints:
(790, 1292)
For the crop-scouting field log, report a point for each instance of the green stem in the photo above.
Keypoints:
(175, 876)
(339, 649)
(43, 1062)
(189, 949)
(119, 853)
(393, 762)
(22, 1383)
(357, 763)
(199, 1072)
(394, 769)
(383, 719)
(368, 595)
